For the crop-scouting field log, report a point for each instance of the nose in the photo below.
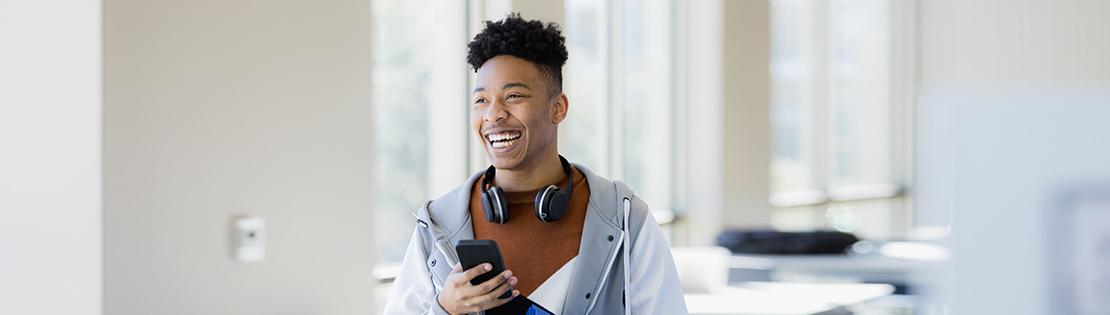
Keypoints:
(495, 112)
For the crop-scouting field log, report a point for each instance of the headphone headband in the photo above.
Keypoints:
(491, 171)
(551, 202)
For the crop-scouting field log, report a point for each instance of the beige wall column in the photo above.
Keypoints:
(727, 96)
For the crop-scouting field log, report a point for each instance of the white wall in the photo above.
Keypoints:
(50, 157)
(1014, 103)
(1009, 43)
(1015, 152)
(214, 109)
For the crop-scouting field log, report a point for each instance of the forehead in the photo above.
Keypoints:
(505, 69)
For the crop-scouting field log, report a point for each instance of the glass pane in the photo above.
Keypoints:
(860, 102)
(869, 219)
(646, 96)
(584, 135)
(408, 80)
(792, 109)
(798, 219)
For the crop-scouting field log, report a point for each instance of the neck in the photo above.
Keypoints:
(543, 172)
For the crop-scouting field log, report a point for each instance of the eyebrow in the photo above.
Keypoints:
(505, 87)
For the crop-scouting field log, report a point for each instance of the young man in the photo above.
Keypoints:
(572, 241)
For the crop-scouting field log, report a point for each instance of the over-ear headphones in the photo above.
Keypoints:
(551, 202)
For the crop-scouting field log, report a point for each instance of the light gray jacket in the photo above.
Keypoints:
(613, 255)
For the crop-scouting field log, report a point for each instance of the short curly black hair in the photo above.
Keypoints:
(531, 40)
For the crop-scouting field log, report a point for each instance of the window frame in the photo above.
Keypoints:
(902, 65)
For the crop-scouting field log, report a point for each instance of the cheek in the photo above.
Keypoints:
(476, 123)
(539, 126)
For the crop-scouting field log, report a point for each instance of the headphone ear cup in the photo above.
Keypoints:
(557, 207)
(551, 204)
(493, 204)
(487, 207)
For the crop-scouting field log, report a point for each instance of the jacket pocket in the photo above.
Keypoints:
(439, 268)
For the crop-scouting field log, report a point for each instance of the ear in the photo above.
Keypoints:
(559, 109)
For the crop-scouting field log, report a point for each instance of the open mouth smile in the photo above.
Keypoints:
(503, 141)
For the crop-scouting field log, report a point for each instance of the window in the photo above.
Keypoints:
(839, 111)
(621, 87)
(420, 112)
(586, 135)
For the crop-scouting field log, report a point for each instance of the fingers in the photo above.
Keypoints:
(494, 291)
(498, 302)
(492, 299)
(466, 276)
(453, 277)
(492, 283)
(465, 297)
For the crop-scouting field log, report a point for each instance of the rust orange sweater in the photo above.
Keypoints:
(532, 249)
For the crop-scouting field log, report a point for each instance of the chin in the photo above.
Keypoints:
(504, 163)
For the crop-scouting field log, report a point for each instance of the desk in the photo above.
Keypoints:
(874, 269)
(777, 298)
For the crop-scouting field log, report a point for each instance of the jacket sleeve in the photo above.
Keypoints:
(413, 291)
(654, 287)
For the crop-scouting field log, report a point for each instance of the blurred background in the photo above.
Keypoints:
(802, 156)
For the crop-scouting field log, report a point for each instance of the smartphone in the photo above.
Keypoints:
(476, 252)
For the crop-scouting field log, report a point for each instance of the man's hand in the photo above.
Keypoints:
(460, 297)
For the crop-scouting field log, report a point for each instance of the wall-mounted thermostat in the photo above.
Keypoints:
(249, 239)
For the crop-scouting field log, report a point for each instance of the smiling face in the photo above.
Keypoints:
(514, 114)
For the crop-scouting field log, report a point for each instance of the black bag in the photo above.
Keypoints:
(743, 241)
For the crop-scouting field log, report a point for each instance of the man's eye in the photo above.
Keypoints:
(479, 101)
(513, 96)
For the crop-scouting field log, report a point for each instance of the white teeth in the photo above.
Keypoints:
(503, 144)
(503, 136)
